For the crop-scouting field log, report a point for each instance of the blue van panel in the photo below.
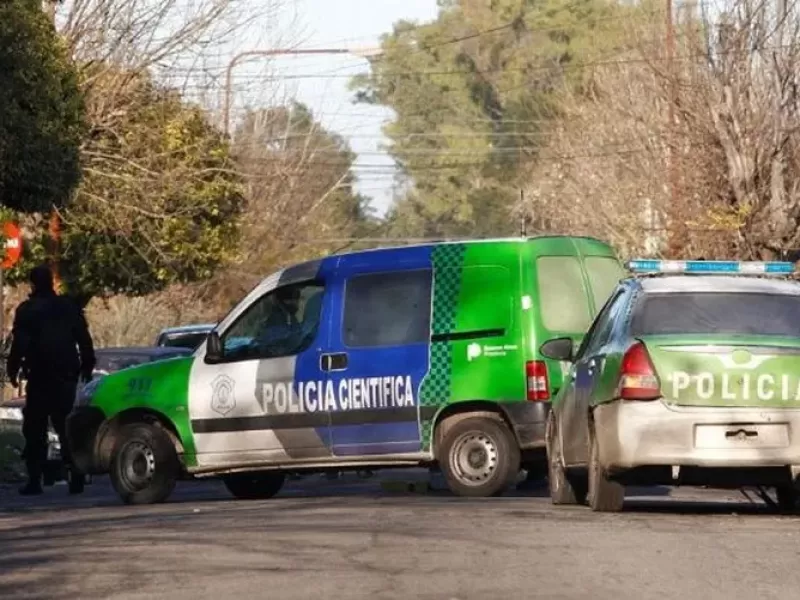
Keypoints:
(383, 424)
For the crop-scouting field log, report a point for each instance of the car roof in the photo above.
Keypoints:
(197, 328)
(494, 240)
(718, 283)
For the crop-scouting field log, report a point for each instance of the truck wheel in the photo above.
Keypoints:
(605, 495)
(564, 489)
(479, 457)
(144, 464)
(254, 486)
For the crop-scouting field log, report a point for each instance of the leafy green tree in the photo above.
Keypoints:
(160, 201)
(41, 112)
(474, 93)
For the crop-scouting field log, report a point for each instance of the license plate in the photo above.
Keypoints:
(760, 435)
(53, 452)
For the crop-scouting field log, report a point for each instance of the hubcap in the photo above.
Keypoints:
(474, 458)
(138, 465)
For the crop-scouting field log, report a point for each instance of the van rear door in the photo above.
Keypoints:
(572, 288)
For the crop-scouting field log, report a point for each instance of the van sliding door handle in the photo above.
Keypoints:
(333, 362)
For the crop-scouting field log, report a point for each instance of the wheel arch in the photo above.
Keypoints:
(109, 432)
(458, 411)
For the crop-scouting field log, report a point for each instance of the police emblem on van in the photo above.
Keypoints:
(223, 400)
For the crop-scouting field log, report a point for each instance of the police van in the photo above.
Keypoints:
(391, 357)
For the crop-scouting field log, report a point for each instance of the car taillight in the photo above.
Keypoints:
(638, 379)
(538, 386)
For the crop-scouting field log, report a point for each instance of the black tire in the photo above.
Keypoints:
(605, 495)
(144, 464)
(254, 486)
(490, 446)
(564, 488)
(787, 498)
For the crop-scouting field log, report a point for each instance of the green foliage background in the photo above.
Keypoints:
(41, 111)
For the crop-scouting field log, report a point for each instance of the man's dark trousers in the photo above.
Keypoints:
(48, 398)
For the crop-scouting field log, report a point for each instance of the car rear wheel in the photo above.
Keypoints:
(479, 457)
(254, 486)
(144, 465)
(605, 495)
(563, 488)
(787, 498)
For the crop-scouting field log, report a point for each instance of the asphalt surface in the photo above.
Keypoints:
(323, 539)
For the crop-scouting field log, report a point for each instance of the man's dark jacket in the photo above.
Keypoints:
(51, 339)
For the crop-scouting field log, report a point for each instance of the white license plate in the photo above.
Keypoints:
(761, 435)
(53, 452)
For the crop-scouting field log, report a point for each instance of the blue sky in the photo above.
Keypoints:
(321, 81)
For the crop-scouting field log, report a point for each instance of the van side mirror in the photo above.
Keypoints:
(214, 350)
(558, 349)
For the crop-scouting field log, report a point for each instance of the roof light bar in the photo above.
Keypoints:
(711, 267)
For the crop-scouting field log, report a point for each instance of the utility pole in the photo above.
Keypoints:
(226, 113)
(673, 239)
(54, 228)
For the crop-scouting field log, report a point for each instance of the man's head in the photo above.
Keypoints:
(290, 298)
(41, 278)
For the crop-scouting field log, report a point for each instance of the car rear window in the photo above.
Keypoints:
(562, 295)
(717, 313)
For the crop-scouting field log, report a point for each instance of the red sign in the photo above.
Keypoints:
(13, 245)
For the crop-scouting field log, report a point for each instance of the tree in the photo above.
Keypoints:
(301, 200)
(160, 201)
(733, 147)
(473, 92)
(41, 112)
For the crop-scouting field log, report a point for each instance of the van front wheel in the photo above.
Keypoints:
(144, 465)
(479, 457)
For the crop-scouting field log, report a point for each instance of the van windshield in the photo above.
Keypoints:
(562, 290)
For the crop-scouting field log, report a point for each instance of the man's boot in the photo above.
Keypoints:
(77, 481)
(34, 485)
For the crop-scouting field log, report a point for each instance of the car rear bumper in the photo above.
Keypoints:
(640, 434)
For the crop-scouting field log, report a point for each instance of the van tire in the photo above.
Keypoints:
(605, 495)
(564, 489)
(144, 464)
(479, 457)
(254, 486)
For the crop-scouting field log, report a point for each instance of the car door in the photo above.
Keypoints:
(265, 401)
(588, 363)
(379, 352)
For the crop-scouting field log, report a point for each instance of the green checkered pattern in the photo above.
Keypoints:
(448, 260)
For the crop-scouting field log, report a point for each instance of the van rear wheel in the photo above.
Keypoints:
(479, 457)
(254, 486)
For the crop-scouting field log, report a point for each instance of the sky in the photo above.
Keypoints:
(321, 81)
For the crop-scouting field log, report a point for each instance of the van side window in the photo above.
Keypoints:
(562, 294)
(283, 322)
(387, 309)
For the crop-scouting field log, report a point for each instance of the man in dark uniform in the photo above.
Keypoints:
(52, 347)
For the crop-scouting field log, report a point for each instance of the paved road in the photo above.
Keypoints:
(324, 541)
